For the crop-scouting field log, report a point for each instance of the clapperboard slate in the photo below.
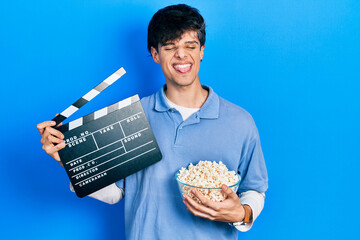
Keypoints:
(107, 145)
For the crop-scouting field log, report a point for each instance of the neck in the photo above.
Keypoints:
(192, 96)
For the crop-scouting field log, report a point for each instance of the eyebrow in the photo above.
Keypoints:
(192, 42)
(171, 43)
(168, 43)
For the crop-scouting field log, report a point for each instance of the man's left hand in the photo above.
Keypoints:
(229, 210)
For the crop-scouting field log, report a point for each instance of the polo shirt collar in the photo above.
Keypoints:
(210, 109)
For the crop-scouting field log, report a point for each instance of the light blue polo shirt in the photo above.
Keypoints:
(219, 131)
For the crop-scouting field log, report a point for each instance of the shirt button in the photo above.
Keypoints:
(180, 128)
(172, 110)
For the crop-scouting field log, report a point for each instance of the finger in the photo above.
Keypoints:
(229, 192)
(41, 126)
(203, 199)
(52, 139)
(55, 132)
(197, 213)
(57, 157)
(60, 124)
(199, 207)
(54, 149)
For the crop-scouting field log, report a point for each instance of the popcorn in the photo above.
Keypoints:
(207, 175)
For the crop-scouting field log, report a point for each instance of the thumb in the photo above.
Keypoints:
(59, 123)
(229, 192)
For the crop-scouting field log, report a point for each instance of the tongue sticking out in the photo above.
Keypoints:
(182, 68)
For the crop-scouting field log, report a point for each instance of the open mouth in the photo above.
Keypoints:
(182, 68)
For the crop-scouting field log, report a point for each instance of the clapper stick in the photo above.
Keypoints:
(89, 96)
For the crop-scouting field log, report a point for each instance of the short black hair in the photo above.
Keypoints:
(171, 22)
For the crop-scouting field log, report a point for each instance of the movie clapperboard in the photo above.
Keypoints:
(106, 145)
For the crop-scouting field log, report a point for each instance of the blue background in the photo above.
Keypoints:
(294, 65)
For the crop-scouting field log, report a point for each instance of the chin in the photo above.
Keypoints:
(184, 83)
(182, 80)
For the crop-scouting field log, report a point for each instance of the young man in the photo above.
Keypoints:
(191, 123)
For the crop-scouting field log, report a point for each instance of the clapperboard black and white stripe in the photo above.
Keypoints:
(89, 96)
(99, 113)
(108, 145)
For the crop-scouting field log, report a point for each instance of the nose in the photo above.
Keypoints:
(180, 53)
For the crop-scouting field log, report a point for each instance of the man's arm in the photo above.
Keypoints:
(254, 201)
(110, 194)
(232, 210)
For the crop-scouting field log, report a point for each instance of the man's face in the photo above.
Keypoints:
(180, 59)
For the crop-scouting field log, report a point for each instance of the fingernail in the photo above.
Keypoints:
(225, 187)
(183, 195)
(53, 123)
(193, 191)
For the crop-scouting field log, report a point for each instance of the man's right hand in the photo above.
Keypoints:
(51, 139)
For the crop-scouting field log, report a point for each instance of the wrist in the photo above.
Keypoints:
(248, 214)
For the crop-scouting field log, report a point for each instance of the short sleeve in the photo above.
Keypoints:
(252, 168)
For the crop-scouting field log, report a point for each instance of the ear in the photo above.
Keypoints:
(202, 52)
(155, 55)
